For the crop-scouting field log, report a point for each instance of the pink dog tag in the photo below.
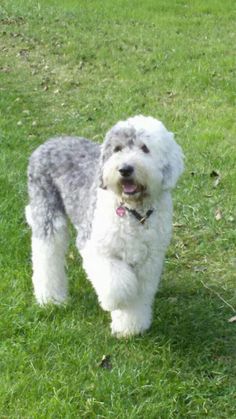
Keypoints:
(120, 211)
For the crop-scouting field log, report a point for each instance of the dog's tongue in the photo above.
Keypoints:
(129, 187)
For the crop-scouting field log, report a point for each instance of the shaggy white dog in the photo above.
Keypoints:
(118, 197)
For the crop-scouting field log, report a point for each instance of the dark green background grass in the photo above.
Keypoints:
(78, 68)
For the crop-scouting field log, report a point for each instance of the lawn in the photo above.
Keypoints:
(77, 67)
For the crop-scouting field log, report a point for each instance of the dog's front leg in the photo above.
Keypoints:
(137, 317)
(114, 281)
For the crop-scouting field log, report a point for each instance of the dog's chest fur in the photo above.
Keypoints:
(125, 237)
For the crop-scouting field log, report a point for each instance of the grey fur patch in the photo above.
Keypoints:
(62, 180)
(167, 173)
(117, 136)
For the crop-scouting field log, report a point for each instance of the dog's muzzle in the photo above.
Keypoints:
(127, 181)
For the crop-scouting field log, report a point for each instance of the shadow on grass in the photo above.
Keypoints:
(194, 323)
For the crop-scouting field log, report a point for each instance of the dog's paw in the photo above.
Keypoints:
(127, 323)
(44, 300)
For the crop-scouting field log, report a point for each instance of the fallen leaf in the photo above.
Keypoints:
(232, 319)
(15, 35)
(200, 268)
(216, 182)
(170, 94)
(81, 64)
(218, 214)
(5, 69)
(215, 173)
(106, 362)
(71, 256)
(172, 300)
(23, 53)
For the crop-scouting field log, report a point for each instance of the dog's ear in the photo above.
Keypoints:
(173, 164)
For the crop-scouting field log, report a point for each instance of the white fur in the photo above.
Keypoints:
(48, 259)
(123, 258)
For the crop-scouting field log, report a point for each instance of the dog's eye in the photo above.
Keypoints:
(145, 149)
(117, 149)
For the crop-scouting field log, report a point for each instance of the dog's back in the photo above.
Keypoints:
(61, 172)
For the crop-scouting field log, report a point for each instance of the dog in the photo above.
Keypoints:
(118, 197)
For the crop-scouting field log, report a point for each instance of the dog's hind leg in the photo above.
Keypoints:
(46, 217)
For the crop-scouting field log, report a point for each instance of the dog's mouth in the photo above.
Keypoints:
(129, 187)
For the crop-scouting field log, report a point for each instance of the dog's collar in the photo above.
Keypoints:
(121, 210)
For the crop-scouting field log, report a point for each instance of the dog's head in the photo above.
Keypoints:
(140, 159)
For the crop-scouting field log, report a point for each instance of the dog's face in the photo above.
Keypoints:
(137, 159)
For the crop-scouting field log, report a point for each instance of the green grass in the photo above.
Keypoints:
(77, 67)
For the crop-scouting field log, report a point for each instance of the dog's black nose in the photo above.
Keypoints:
(126, 170)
